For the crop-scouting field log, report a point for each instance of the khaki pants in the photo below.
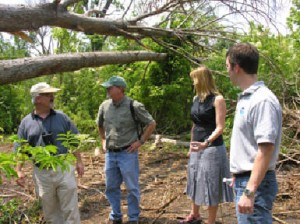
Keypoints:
(58, 193)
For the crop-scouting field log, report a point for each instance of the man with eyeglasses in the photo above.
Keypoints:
(56, 189)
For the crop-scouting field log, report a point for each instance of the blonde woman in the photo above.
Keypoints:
(208, 163)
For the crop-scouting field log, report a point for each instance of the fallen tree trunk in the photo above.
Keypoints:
(26, 68)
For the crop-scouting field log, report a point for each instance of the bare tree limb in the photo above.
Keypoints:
(199, 29)
(67, 3)
(26, 68)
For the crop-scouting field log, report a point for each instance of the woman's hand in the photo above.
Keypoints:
(197, 146)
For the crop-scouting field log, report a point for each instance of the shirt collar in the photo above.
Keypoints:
(252, 88)
(117, 104)
(52, 112)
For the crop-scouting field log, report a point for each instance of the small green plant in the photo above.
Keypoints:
(45, 156)
(74, 142)
(13, 211)
(7, 164)
(8, 211)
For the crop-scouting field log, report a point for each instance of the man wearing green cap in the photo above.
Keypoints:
(120, 142)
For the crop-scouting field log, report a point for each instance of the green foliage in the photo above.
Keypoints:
(11, 100)
(74, 142)
(45, 156)
(279, 64)
(12, 211)
(9, 211)
(80, 97)
(7, 164)
(13, 48)
(293, 20)
(165, 88)
(9, 107)
(67, 41)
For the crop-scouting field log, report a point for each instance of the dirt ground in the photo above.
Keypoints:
(162, 182)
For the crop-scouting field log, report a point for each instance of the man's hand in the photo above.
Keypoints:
(21, 179)
(80, 168)
(232, 183)
(134, 146)
(246, 205)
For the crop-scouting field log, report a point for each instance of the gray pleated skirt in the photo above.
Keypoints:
(206, 170)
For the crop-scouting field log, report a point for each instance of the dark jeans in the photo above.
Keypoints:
(264, 198)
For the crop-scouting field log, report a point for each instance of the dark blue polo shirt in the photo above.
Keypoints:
(33, 126)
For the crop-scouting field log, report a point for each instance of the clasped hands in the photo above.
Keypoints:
(197, 146)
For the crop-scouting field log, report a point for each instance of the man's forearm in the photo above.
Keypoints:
(148, 131)
(261, 165)
(101, 132)
(102, 137)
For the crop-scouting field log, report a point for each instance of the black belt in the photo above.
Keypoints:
(243, 174)
(119, 149)
(248, 173)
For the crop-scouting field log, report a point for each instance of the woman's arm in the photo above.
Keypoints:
(220, 107)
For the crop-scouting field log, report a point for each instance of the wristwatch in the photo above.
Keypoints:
(248, 193)
(208, 142)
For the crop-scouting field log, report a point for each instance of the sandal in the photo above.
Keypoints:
(191, 219)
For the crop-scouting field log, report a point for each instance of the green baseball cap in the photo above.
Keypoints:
(114, 81)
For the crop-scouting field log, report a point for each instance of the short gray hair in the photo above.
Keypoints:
(33, 98)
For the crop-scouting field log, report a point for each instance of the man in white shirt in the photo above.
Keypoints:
(256, 138)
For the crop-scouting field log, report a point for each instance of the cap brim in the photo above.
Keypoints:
(49, 90)
(106, 85)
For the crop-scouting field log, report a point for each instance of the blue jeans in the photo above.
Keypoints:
(119, 167)
(264, 198)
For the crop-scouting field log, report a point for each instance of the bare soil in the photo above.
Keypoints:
(162, 182)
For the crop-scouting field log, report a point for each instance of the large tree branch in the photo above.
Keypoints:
(52, 15)
(27, 68)
(21, 17)
(199, 24)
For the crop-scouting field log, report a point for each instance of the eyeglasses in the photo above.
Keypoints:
(46, 94)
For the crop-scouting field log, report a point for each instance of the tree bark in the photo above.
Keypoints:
(26, 68)
(15, 18)
(18, 18)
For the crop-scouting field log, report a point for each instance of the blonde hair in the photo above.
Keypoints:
(203, 82)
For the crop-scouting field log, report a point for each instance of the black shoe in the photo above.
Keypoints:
(190, 219)
(114, 221)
